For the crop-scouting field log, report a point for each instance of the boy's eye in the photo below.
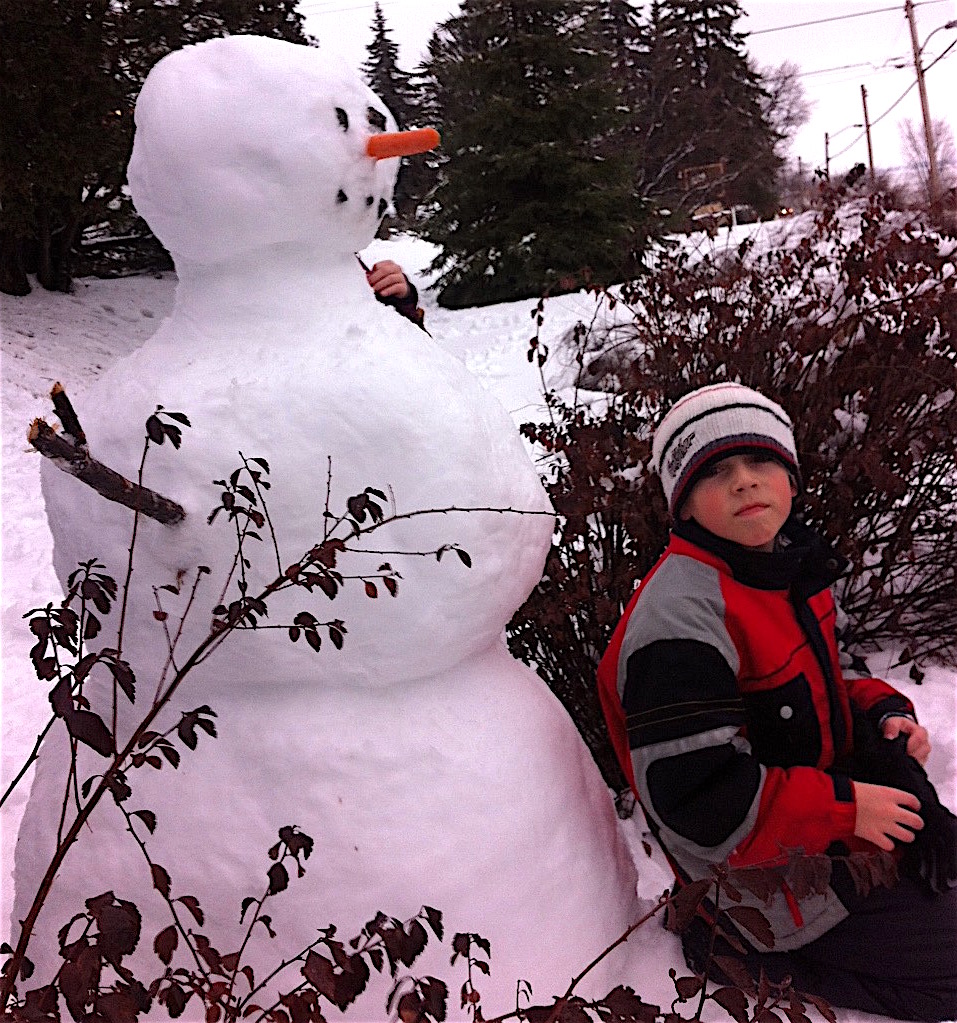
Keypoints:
(760, 458)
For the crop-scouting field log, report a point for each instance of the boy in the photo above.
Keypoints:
(734, 723)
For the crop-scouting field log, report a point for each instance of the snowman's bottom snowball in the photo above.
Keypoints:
(471, 792)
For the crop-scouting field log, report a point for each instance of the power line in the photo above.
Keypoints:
(311, 10)
(875, 69)
(841, 67)
(839, 17)
(895, 103)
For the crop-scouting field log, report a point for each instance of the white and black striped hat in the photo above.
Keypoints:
(712, 423)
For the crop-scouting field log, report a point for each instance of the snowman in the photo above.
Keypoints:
(428, 766)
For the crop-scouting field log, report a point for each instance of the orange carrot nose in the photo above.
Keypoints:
(402, 143)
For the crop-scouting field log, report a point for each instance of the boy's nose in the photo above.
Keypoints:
(743, 477)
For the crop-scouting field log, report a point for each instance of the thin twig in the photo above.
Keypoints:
(179, 632)
(184, 931)
(562, 1000)
(272, 532)
(126, 586)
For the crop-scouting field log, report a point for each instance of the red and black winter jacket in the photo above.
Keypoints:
(729, 710)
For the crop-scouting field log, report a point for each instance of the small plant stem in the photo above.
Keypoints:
(229, 577)
(66, 791)
(285, 964)
(201, 966)
(266, 1013)
(372, 942)
(562, 1001)
(265, 507)
(169, 639)
(83, 816)
(72, 772)
(126, 587)
(246, 937)
(179, 632)
(28, 763)
(404, 554)
(714, 930)
(326, 515)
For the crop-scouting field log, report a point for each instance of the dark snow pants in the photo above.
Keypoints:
(895, 955)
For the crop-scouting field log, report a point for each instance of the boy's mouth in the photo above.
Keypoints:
(750, 509)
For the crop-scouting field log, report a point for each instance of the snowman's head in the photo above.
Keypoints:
(246, 142)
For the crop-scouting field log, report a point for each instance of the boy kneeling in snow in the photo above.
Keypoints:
(744, 741)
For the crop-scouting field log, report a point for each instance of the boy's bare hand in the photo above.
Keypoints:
(918, 738)
(387, 279)
(885, 815)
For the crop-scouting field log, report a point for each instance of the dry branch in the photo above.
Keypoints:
(68, 417)
(77, 461)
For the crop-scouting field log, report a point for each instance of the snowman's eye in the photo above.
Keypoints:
(343, 118)
(376, 119)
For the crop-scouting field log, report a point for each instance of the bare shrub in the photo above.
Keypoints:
(850, 324)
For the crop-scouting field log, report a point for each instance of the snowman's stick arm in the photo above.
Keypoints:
(67, 414)
(76, 460)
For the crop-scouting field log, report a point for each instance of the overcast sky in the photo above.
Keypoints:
(867, 43)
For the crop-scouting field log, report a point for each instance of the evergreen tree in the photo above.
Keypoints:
(623, 40)
(703, 105)
(528, 200)
(69, 76)
(386, 79)
(397, 89)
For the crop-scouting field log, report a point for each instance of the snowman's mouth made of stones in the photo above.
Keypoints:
(369, 200)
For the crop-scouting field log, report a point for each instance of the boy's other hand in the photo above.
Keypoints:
(387, 279)
(885, 815)
(918, 738)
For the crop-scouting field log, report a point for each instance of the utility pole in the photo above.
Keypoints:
(867, 129)
(827, 156)
(934, 179)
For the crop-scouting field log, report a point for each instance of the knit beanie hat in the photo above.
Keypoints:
(712, 423)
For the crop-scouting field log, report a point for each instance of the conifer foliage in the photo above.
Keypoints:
(386, 79)
(400, 92)
(527, 198)
(566, 126)
(703, 105)
(69, 75)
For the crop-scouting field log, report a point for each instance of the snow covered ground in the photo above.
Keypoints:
(73, 338)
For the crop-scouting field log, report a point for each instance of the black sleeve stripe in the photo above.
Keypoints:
(689, 707)
(704, 795)
(649, 732)
(676, 688)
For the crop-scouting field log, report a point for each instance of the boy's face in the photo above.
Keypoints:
(743, 498)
